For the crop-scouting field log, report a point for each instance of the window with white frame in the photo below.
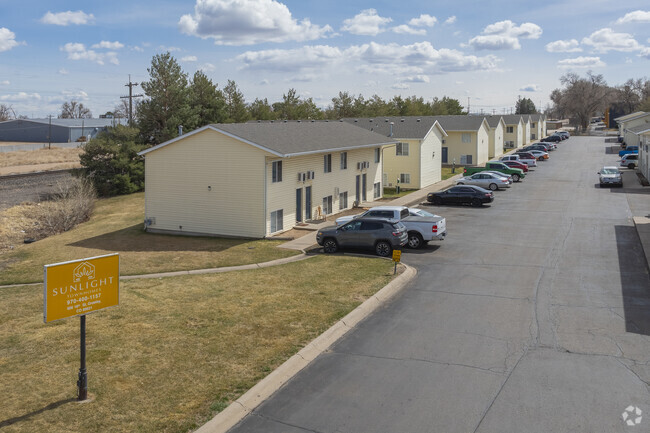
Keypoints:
(344, 160)
(377, 155)
(377, 189)
(402, 149)
(276, 220)
(465, 159)
(510, 129)
(466, 137)
(277, 171)
(404, 178)
(327, 163)
(327, 205)
(343, 200)
(532, 125)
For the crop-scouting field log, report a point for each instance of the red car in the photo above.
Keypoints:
(516, 164)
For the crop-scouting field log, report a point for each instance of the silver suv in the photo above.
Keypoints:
(382, 235)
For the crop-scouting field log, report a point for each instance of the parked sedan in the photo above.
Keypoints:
(461, 194)
(507, 177)
(517, 164)
(564, 134)
(555, 138)
(538, 154)
(630, 160)
(523, 157)
(610, 176)
(381, 235)
(485, 180)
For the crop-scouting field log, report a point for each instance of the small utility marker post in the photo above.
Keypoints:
(77, 288)
(397, 255)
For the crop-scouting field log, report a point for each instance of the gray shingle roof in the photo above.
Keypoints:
(460, 123)
(512, 119)
(295, 138)
(493, 121)
(403, 127)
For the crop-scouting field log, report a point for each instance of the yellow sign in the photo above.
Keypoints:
(81, 287)
(397, 255)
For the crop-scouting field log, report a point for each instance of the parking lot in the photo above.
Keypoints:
(533, 315)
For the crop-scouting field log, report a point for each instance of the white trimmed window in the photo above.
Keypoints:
(377, 155)
(510, 129)
(343, 200)
(327, 205)
(377, 189)
(344, 160)
(276, 220)
(467, 137)
(404, 178)
(327, 163)
(402, 149)
(277, 171)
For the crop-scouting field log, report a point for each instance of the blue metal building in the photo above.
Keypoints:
(58, 131)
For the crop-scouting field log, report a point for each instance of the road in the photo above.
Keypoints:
(532, 316)
(29, 187)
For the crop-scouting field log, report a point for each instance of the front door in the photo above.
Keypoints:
(358, 190)
(308, 202)
(364, 187)
(445, 151)
(299, 205)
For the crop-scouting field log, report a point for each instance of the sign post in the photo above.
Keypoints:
(77, 288)
(397, 255)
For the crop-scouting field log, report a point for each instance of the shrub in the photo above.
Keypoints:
(72, 203)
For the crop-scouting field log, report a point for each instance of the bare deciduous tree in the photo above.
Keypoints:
(6, 112)
(74, 110)
(581, 97)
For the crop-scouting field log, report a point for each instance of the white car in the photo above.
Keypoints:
(610, 175)
(539, 154)
(630, 160)
(517, 157)
(503, 175)
(485, 180)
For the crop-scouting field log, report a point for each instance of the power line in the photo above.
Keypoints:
(130, 98)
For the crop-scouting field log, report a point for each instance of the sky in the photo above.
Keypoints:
(485, 54)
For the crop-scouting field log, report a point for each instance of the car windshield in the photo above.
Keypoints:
(608, 171)
(422, 213)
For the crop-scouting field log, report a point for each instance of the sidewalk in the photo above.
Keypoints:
(416, 197)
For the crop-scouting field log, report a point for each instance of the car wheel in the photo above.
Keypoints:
(460, 183)
(515, 177)
(437, 200)
(476, 202)
(493, 186)
(630, 166)
(541, 158)
(415, 240)
(330, 246)
(383, 249)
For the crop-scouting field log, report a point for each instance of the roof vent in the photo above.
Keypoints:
(370, 120)
(356, 120)
(402, 120)
(418, 120)
(272, 121)
(285, 120)
(312, 120)
(298, 120)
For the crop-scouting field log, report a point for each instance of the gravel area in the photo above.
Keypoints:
(18, 189)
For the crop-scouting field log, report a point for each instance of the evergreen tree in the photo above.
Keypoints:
(207, 102)
(167, 105)
(261, 110)
(235, 104)
(111, 162)
(525, 106)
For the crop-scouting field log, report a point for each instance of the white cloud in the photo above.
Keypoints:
(423, 20)
(76, 95)
(366, 23)
(530, 88)
(189, 59)
(606, 39)
(570, 46)
(265, 82)
(404, 29)
(247, 22)
(78, 51)
(208, 67)
(581, 62)
(138, 49)
(63, 71)
(451, 20)
(400, 86)
(416, 59)
(416, 79)
(21, 97)
(645, 52)
(5, 83)
(505, 35)
(108, 45)
(170, 49)
(635, 17)
(7, 39)
(67, 18)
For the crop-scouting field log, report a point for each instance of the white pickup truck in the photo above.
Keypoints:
(421, 225)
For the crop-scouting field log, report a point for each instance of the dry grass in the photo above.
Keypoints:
(40, 156)
(176, 351)
(117, 226)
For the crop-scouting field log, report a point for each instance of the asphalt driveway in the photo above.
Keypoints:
(532, 316)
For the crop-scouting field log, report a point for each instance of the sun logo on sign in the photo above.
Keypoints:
(84, 269)
(632, 416)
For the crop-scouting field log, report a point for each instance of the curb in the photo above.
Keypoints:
(255, 396)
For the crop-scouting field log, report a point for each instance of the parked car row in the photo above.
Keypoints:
(476, 187)
(383, 229)
(611, 175)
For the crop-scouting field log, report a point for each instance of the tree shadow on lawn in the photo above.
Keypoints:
(134, 238)
(56, 404)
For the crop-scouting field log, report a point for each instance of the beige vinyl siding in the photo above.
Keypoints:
(179, 174)
(516, 135)
(431, 158)
(483, 144)
(282, 195)
(456, 147)
(526, 131)
(496, 141)
(394, 165)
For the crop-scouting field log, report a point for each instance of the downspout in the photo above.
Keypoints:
(265, 195)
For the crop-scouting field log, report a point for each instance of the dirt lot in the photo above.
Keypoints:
(15, 190)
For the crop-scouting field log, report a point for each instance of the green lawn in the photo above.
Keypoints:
(446, 172)
(391, 193)
(117, 226)
(176, 350)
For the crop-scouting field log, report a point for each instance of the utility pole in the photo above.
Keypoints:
(130, 98)
(468, 112)
(49, 133)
